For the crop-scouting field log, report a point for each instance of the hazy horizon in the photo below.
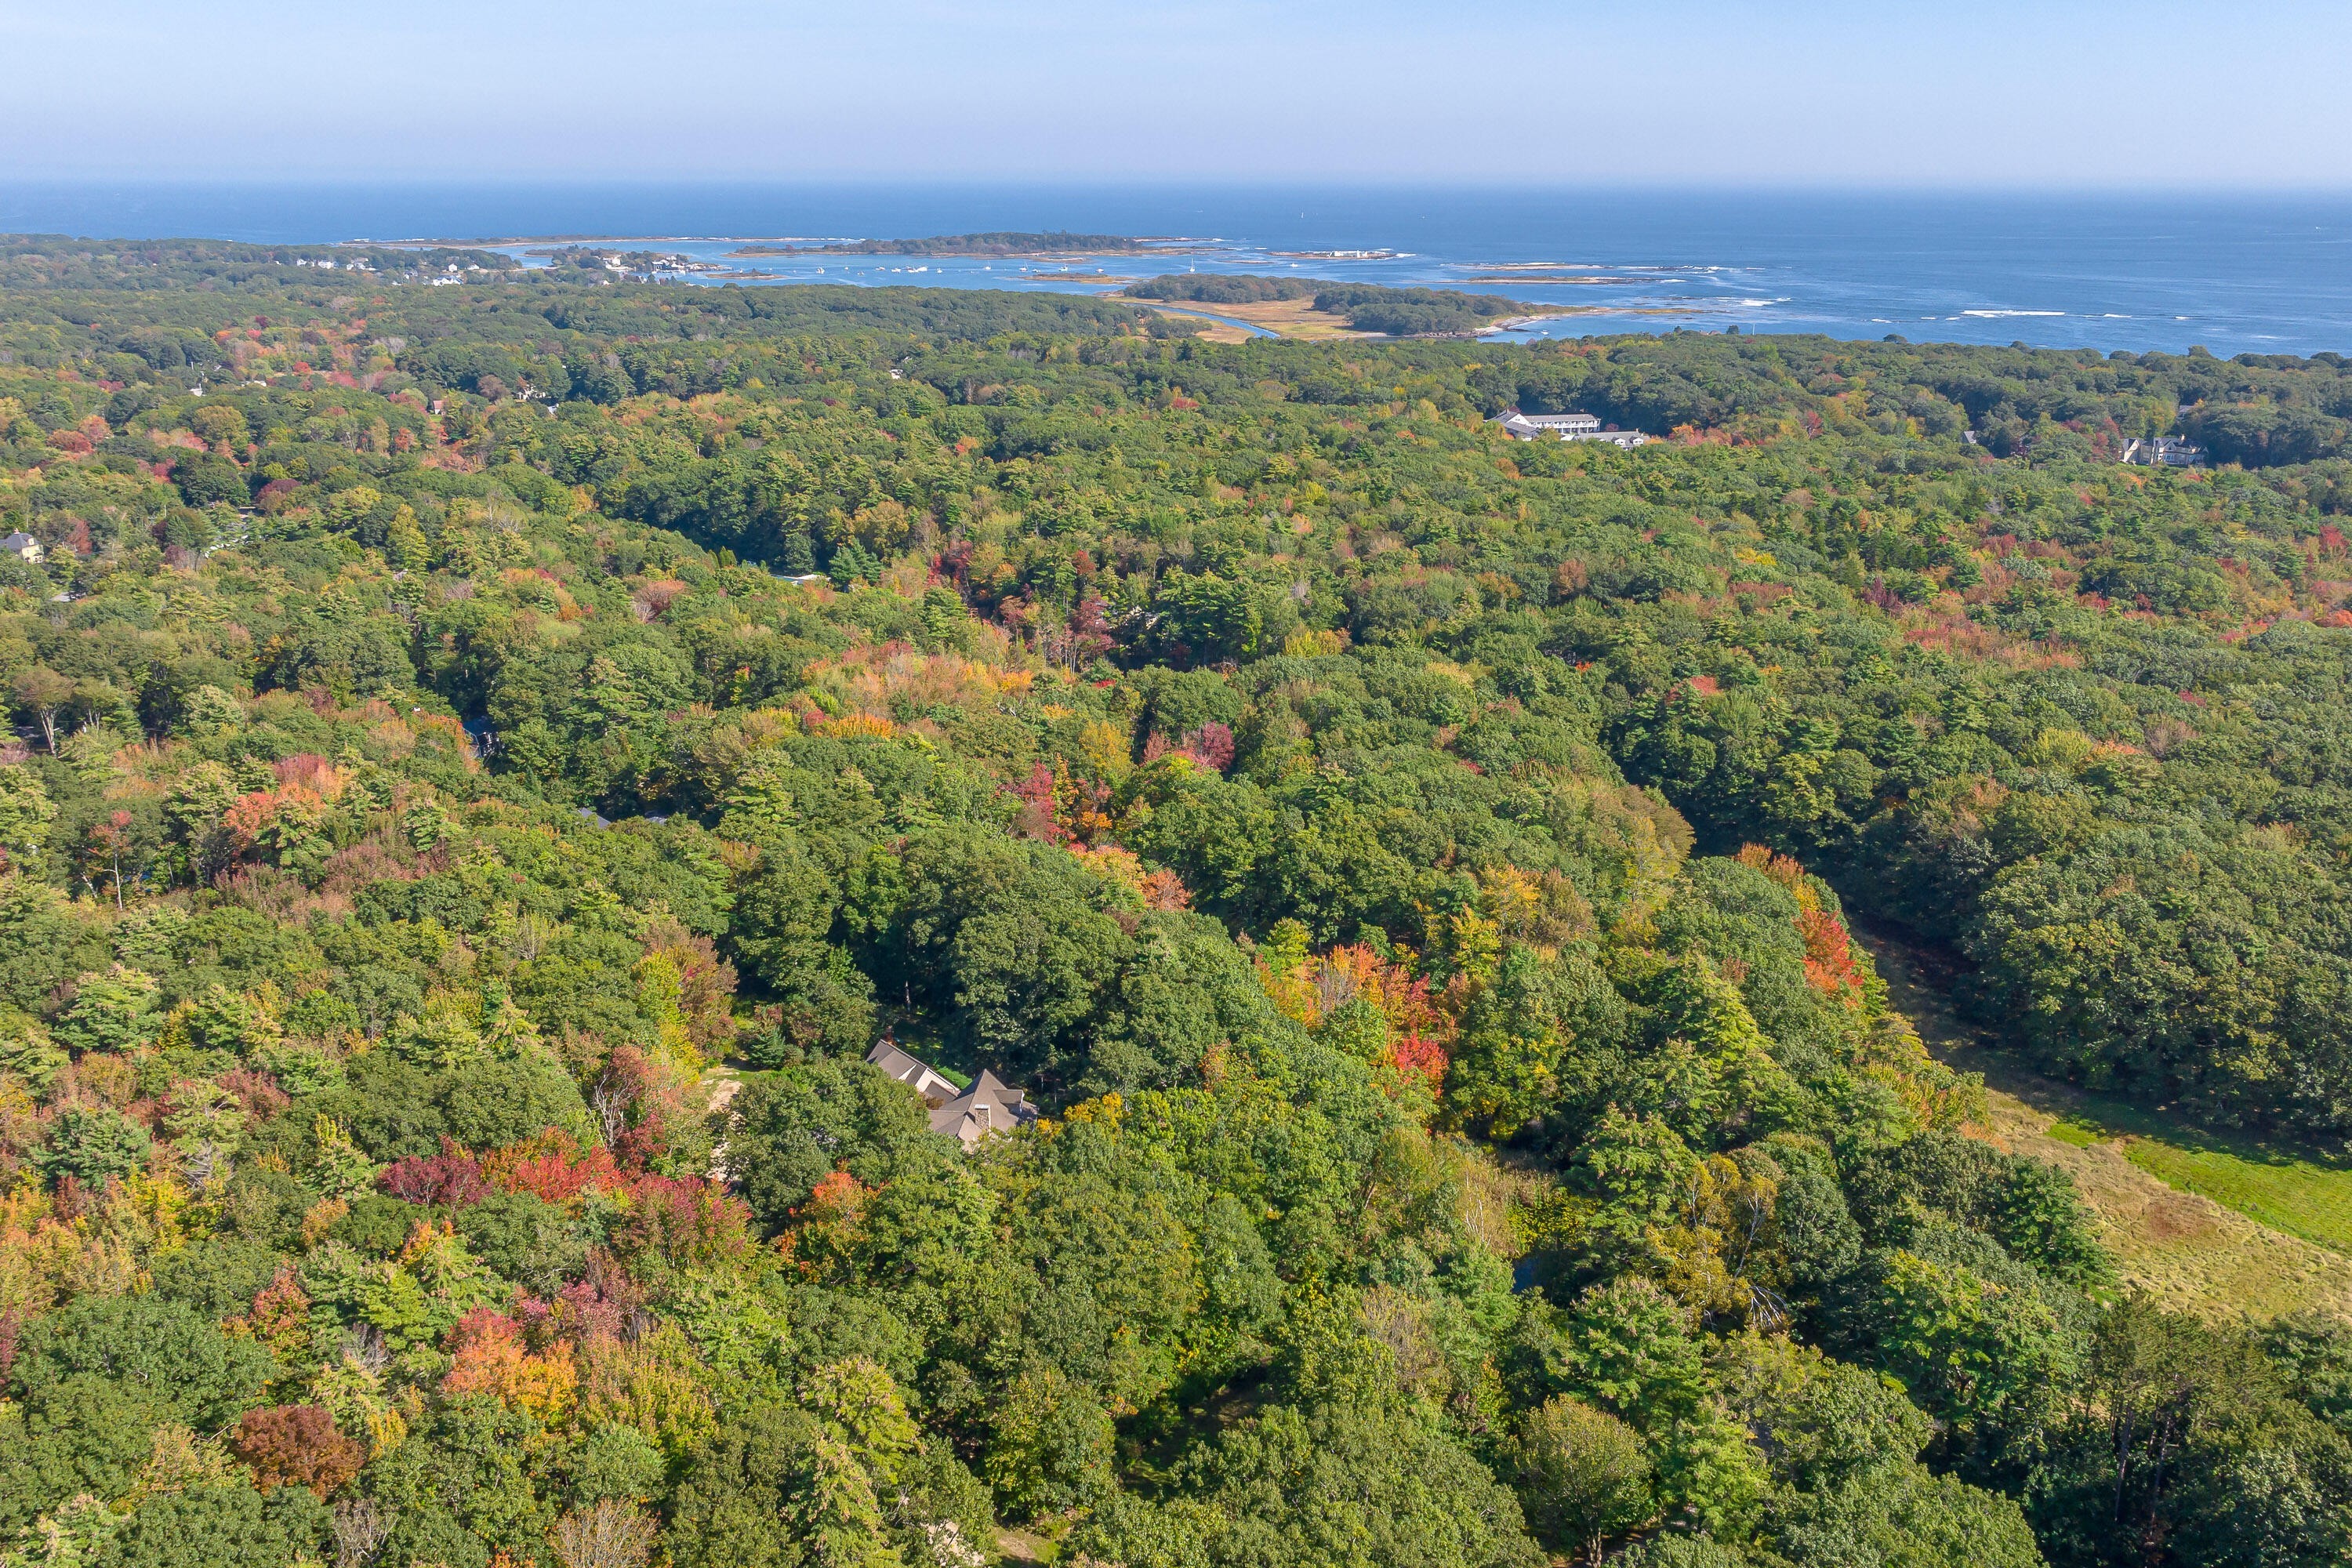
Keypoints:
(2062, 99)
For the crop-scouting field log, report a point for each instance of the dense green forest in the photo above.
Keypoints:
(1412, 871)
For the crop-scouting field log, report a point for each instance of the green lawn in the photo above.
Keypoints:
(2296, 1196)
(2287, 1189)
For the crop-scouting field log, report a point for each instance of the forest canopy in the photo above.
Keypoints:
(488, 767)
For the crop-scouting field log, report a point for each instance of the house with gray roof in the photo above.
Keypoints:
(968, 1115)
(990, 1105)
(916, 1075)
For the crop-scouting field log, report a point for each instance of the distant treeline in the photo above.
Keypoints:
(1369, 307)
(161, 302)
(2258, 410)
(564, 331)
(1227, 288)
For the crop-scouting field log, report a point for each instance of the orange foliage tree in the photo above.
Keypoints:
(488, 1356)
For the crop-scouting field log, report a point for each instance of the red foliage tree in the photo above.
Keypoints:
(1212, 746)
(691, 1222)
(257, 1091)
(1090, 635)
(1036, 796)
(1419, 1053)
(557, 1178)
(453, 1176)
(296, 1445)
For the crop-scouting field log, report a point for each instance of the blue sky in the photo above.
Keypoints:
(1708, 92)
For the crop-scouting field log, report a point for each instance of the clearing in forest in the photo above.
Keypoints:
(2202, 1226)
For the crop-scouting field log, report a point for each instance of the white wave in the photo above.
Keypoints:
(1997, 313)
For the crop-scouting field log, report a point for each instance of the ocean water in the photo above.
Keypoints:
(2233, 274)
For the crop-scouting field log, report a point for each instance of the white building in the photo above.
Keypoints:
(2164, 451)
(1556, 424)
(1565, 427)
(24, 547)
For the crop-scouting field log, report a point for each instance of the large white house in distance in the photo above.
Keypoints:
(1565, 427)
(2164, 451)
(23, 546)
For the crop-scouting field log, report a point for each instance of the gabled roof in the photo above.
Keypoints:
(990, 1105)
(935, 1089)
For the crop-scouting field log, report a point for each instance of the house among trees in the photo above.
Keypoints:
(990, 1105)
(2164, 451)
(895, 1063)
(1565, 427)
(23, 546)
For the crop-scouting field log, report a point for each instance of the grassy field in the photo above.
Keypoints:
(1286, 318)
(2282, 1188)
(1216, 333)
(1300, 318)
(2303, 1199)
(2208, 1225)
